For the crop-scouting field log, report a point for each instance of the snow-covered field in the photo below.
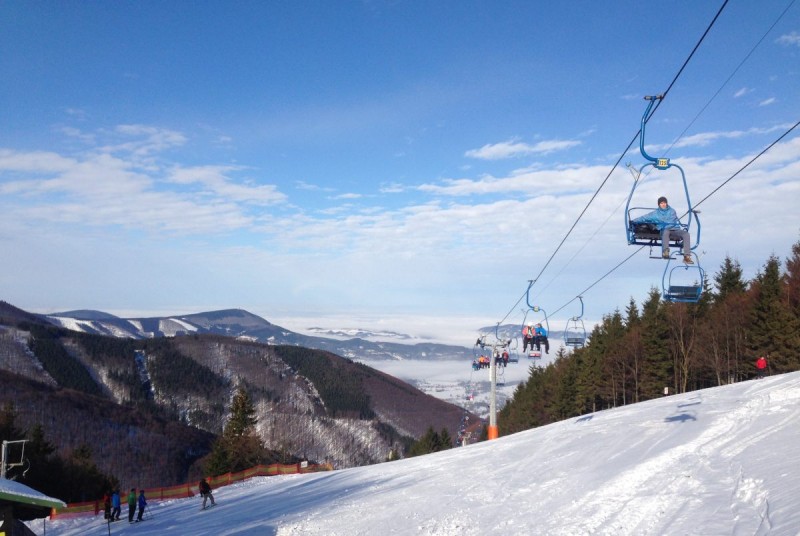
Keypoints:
(711, 462)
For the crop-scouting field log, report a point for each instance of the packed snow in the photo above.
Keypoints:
(715, 461)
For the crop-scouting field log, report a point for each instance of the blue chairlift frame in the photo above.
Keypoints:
(676, 291)
(647, 234)
(534, 309)
(575, 324)
(511, 345)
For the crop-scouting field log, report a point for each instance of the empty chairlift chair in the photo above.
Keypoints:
(575, 332)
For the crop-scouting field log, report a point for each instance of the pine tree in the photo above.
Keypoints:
(445, 441)
(239, 446)
(793, 280)
(657, 366)
(775, 330)
(632, 317)
(729, 279)
(243, 420)
(429, 442)
(8, 426)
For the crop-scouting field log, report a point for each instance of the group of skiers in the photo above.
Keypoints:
(501, 360)
(112, 503)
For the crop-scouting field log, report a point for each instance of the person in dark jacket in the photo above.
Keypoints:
(142, 504)
(107, 505)
(205, 491)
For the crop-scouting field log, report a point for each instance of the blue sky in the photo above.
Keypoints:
(378, 161)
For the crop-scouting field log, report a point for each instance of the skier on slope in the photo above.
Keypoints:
(142, 505)
(205, 491)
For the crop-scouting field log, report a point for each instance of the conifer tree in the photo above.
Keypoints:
(793, 280)
(729, 279)
(243, 420)
(774, 328)
(445, 441)
(430, 442)
(568, 400)
(632, 317)
(239, 446)
(8, 426)
(657, 369)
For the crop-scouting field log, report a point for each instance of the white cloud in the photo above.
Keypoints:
(767, 102)
(33, 162)
(113, 187)
(512, 148)
(530, 182)
(215, 181)
(703, 139)
(393, 188)
(151, 140)
(789, 39)
(742, 92)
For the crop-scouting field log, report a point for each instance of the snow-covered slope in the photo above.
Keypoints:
(716, 461)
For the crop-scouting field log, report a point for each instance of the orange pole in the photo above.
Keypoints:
(493, 432)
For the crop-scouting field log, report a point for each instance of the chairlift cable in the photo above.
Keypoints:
(630, 144)
(715, 190)
(725, 83)
(756, 157)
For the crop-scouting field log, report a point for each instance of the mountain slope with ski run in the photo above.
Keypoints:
(715, 461)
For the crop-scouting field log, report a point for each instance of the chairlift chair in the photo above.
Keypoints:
(575, 332)
(648, 234)
(683, 282)
(541, 318)
(510, 345)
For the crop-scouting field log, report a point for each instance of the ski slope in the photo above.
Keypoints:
(711, 462)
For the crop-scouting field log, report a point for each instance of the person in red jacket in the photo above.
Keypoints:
(761, 366)
(527, 336)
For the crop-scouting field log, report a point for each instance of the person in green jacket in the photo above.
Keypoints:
(131, 504)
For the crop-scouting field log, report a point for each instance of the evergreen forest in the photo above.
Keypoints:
(658, 348)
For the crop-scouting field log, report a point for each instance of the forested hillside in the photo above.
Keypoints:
(148, 411)
(662, 347)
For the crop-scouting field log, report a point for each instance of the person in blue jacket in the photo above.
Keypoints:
(665, 218)
(541, 338)
(142, 504)
(115, 506)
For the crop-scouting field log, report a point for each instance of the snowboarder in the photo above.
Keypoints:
(205, 491)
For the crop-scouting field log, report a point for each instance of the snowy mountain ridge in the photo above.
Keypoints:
(352, 343)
